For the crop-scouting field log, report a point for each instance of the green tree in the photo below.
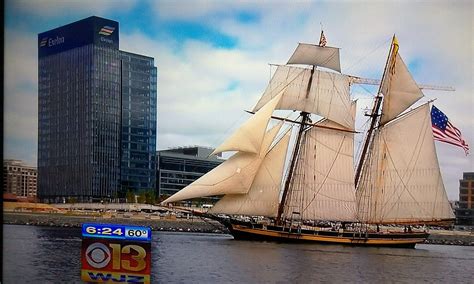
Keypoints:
(150, 196)
(142, 197)
(72, 200)
(130, 196)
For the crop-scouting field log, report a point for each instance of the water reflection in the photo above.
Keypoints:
(52, 255)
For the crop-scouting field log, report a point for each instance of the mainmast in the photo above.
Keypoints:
(375, 114)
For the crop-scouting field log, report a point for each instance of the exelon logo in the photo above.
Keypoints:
(51, 41)
(43, 42)
(106, 30)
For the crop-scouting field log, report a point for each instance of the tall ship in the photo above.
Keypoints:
(297, 179)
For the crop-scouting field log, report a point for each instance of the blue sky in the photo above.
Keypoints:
(212, 58)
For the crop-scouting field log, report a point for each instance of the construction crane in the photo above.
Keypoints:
(366, 81)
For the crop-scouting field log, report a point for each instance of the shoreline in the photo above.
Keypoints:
(194, 225)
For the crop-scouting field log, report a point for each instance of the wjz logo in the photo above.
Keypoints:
(106, 30)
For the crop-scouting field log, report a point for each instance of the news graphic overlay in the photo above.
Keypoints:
(115, 253)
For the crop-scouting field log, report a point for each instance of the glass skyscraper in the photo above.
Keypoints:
(82, 112)
(138, 122)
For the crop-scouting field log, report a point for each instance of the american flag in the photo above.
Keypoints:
(322, 40)
(444, 131)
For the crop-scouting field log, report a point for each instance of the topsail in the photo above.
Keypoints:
(399, 88)
(310, 54)
(327, 95)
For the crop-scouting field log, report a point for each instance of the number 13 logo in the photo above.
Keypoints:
(98, 255)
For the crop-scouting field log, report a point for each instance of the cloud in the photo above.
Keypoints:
(193, 88)
(198, 9)
(203, 89)
(20, 96)
(58, 8)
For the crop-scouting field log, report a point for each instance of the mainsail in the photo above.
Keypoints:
(323, 183)
(401, 181)
(312, 91)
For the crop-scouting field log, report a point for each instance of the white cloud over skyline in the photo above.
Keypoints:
(203, 88)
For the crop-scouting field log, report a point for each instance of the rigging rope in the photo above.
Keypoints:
(367, 55)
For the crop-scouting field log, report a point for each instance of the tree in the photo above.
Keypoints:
(72, 200)
(130, 196)
(142, 197)
(150, 197)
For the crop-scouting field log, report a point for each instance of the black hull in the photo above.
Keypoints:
(254, 232)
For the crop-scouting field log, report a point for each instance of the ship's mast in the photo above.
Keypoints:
(375, 119)
(304, 120)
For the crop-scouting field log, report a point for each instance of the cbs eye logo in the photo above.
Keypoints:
(99, 255)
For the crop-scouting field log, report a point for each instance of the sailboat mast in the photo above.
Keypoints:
(375, 116)
(304, 119)
(281, 207)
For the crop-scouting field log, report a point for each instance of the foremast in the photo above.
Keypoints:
(304, 119)
(299, 57)
(281, 207)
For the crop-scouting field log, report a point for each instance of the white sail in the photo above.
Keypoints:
(328, 96)
(316, 55)
(399, 89)
(231, 177)
(323, 182)
(248, 138)
(401, 180)
(263, 196)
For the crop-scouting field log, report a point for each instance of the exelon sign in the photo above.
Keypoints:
(51, 42)
(92, 30)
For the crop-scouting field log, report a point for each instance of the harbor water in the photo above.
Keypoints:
(34, 254)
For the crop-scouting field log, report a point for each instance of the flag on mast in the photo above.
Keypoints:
(444, 131)
(322, 39)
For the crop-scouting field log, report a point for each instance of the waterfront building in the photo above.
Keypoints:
(19, 179)
(465, 210)
(178, 167)
(80, 122)
(138, 122)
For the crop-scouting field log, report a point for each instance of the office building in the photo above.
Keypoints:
(19, 179)
(176, 168)
(81, 113)
(465, 210)
(138, 122)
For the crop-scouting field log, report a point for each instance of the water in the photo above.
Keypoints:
(52, 255)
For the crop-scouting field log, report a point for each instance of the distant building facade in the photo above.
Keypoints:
(81, 93)
(138, 170)
(465, 210)
(19, 179)
(176, 168)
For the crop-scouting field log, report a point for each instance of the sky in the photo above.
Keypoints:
(213, 59)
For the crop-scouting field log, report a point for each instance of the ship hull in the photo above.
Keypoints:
(279, 234)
